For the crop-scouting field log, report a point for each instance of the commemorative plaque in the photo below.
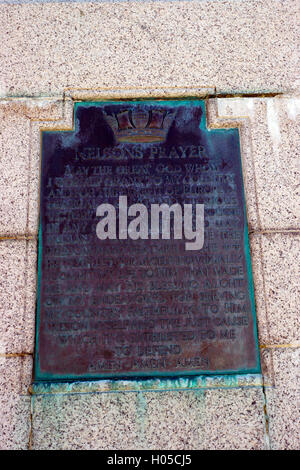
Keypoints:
(144, 266)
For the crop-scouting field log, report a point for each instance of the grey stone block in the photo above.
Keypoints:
(219, 43)
(274, 142)
(15, 403)
(235, 419)
(14, 174)
(280, 257)
(85, 421)
(17, 299)
(282, 400)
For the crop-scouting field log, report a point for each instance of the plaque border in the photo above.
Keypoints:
(221, 124)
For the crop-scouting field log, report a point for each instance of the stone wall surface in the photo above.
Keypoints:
(241, 56)
(232, 45)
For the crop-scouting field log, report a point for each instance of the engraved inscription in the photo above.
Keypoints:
(140, 307)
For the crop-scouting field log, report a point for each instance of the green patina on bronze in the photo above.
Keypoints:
(80, 336)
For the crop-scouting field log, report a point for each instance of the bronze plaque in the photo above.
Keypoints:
(144, 265)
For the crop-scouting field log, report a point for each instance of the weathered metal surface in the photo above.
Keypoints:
(156, 384)
(146, 307)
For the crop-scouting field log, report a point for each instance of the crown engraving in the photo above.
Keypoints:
(140, 125)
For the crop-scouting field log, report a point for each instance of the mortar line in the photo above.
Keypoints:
(266, 418)
(262, 267)
(274, 230)
(29, 444)
(266, 94)
(18, 237)
(261, 231)
(251, 232)
(278, 346)
(25, 354)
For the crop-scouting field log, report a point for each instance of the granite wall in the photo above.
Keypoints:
(242, 57)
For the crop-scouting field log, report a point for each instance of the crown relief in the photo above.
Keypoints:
(139, 125)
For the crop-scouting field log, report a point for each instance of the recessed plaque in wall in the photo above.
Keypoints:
(144, 265)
